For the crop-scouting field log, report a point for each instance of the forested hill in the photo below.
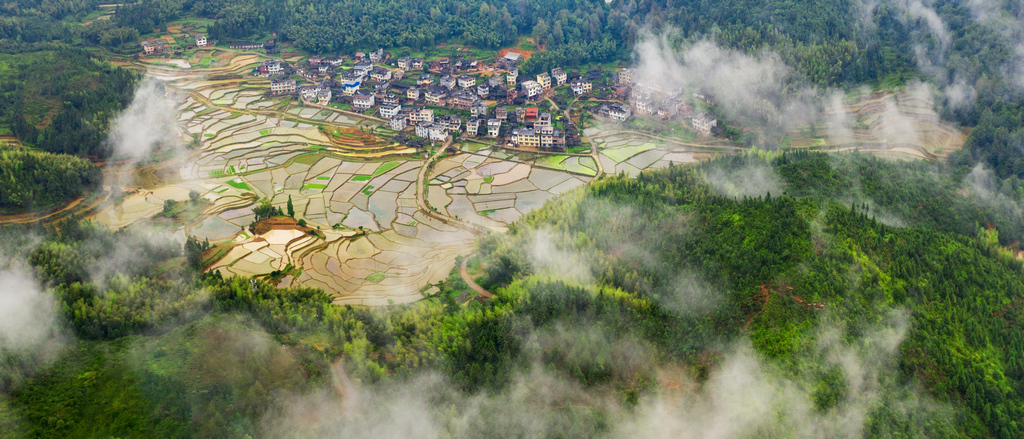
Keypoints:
(657, 304)
(825, 39)
(718, 258)
(61, 100)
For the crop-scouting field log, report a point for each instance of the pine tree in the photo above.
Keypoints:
(291, 207)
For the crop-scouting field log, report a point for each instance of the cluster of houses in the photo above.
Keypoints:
(407, 103)
(407, 94)
(654, 99)
(157, 46)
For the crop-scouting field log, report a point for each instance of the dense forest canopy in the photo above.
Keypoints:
(62, 100)
(33, 179)
(598, 293)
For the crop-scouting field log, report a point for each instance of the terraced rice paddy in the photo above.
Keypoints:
(629, 153)
(357, 188)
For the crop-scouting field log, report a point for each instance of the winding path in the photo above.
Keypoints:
(464, 272)
(421, 189)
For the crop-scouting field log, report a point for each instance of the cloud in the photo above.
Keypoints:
(32, 333)
(744, 396)
(755, 90)
(748, 397)
(550, 259)
(755, 178)
(982, 183)
(147, 125)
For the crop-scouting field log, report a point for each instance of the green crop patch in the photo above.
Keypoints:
(376, 277)
(314, 186)
(240, 185)
(368, 190)
(323, 177)
(386, 167)
(267, 131)
(362, 178)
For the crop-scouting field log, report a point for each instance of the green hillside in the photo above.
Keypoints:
(615, 293)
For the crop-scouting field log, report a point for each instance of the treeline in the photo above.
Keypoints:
(33, 179)
(821, 39)
(61, 100)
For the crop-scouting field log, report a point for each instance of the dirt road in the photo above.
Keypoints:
(469, 280)
(421, 189)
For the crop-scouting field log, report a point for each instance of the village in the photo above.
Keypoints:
(518, 111)
(459, 96)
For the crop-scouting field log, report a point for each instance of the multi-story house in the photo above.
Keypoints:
(544, 80)
(282, 86)
(448, 81)
(493, 127)
(626, 77)
(323, 97)
(483, 90)
(581, 86)
(512, 77)
(495, 80)
(559, 76)
(362, 100)
(380, 74)
(270, 67)
(436, 95)
(473, 126)
(531, 89)
(466, 81)
(350, 82)
(615, 111)
(389, 98)
(704, 123)
(398, 123)
(479, 109)
(201, 41)
(413, 93)
(425, 80)
(451, 123)
(525, 138)
(389, 111)
(421, 114)
(377, 55)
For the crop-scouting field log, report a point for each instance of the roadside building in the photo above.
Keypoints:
(323, 97)
(389, 111)
(704, 123)
(525, 138)
(282, 86)
(493, 127)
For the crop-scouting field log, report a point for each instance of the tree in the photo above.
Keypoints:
(291, 207)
